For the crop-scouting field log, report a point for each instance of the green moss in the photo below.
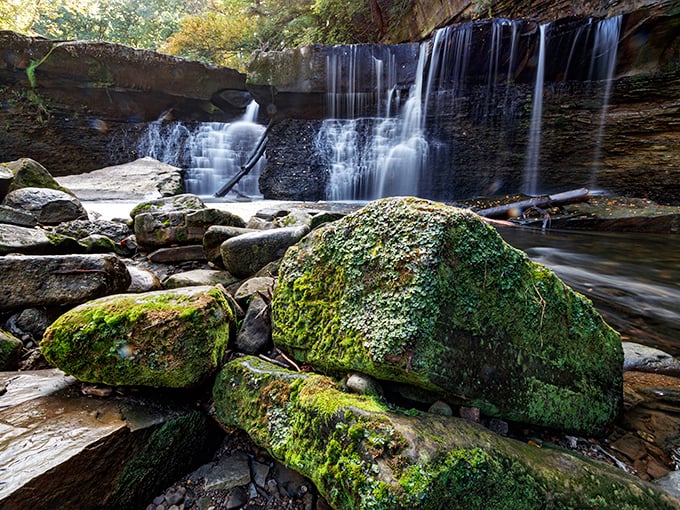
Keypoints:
(169, 338)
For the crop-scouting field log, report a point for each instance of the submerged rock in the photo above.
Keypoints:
(173, 338)
(413, 291)
(360, 455)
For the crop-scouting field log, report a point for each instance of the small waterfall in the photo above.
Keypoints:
(531, 170)
(219, 150)
(602, 67)
(165, 141)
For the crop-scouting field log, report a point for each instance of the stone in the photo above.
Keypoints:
(6, 180)
(142, 179)
(360, 454)
(178, 203)
(10, 351)
(363, 384)
(246, 254)
(231, 471)
(97, 243)
(215, 236)
(260, 473)
(258, 285)
(670, 483)
(237, 498)
(13, 216)
(142, 280)
(49, 206)
(30, 281)
(170, 338)
(30, 241)
(440, 408)
(413, 291)
(295, 218)
(177, 254)
(28, 173)
(31, 321)
(470, 413)
(52, 440)
(642, 358)
(255, 334)
(79, 229)
(198, 277)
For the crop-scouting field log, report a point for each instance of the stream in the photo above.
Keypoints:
(633, 279)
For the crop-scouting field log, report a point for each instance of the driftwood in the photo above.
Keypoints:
(505, 211)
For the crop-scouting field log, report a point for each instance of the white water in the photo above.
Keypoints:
(531, 169)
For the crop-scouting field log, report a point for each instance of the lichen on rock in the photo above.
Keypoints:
(174, 338)
(414, 291)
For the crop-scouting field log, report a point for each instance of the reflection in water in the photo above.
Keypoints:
(633, 279)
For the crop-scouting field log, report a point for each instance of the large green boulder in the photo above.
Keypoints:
(362, 456)
(417, 292)
(173, 338)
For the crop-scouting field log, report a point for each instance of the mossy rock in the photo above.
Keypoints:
(173, 338)
(28, 173)
(10, 351)
(178, 203)
(361, 455)
(417, 292)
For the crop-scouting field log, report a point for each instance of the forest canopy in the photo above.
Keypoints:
(223, 32)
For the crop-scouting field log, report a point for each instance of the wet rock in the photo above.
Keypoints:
(13, 216)
(30, 281)
(52, 441)
(32, 322)
(142, 280)
(49, 206)
(256, 330)
(642, 358)
(97, 243)
(260, 473)
(34, 241)
(259, 285)
(172, 338)
(232, 471)
(10, 351)
(199, 277)
(414, 291)
(79, 229)
(246, 254)
(215, 236)
(144, 178)
(358, 453)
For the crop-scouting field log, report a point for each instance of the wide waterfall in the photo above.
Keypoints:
(405, 139)
(212, 152)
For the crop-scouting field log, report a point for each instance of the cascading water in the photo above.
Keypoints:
(219, 150)
(602, 67)
(531, 169)
(214, 152)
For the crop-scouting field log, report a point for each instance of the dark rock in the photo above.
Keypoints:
(177, 254)
(171, 338)
(13, 216)
(178, 203)
(441, 408)
(29, 281)
(53, 438)
(232, 471)
(237, 498)
(246, 254)
(255, 334)
(6, 180)
(49, 206)
(10, 351)
(78, 229)
(215, 236)
(32, 322)
(642, 358)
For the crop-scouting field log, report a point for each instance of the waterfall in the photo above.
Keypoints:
(531, 170)
(602, 67)
(214, 151)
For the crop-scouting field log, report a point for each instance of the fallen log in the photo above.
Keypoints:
(515, 209)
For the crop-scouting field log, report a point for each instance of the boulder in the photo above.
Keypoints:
(60, 449)
(10, 351)
(255, 334)
(28, 173)
(643, 358)
(49, 206)
(417, 292)
(6, 180)
(171, 338)
(143, 179)
(246, 254)
(361, 455)
(215, 236)
(16, 239)
(177, 254)
(97, 243)
(31, 323)
(186, 202)
(78, 229)
(29, 281)
(142, 280)
(259, 285)
(199, 277)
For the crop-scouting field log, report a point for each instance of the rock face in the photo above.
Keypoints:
(52, 441)
(361, 455)
(173, 338)
(417, 292)
(59, 280)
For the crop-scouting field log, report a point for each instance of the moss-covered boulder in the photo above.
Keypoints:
(360, 455)
(28, 173)
(414, 291)
(173, 338)
(10, 351)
